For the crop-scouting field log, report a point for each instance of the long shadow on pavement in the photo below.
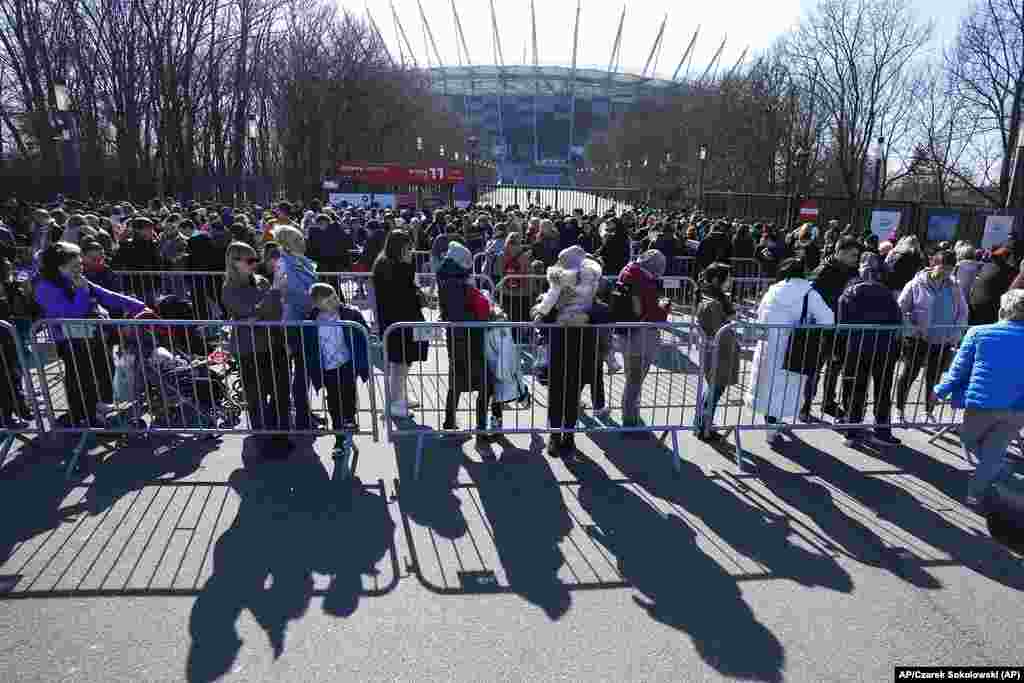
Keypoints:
(522, 502)
(292, 521)
(895, 505)
(763, 536)
(684, 588)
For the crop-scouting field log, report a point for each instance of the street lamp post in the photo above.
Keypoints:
(419, 186)
(252, 133)
(63, 104)
(878, 169)
(473, 143)
(702, 154)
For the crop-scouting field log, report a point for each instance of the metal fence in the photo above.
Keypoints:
(142, 377)
(186, 377)
(658, 390)
(752, 384)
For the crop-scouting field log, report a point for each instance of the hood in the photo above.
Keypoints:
(922, 279)
(634, 272)
(653, 261)
(587, 274)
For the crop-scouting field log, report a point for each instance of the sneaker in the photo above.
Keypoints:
(413, 404)
(554, 448)
(613, 364)
(805, 416)
(884, 439)
(832, 409)
(855, 437)
(495, 423)
(400, 409)
(603, 413)
(775, 439)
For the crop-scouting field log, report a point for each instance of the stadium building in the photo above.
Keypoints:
(536, 121)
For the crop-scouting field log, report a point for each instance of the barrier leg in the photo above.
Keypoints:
(419, 458)
(941, 433)
(677, 458)
(739, 451)
(85, 442)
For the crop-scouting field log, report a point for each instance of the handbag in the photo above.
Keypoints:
(807, 348)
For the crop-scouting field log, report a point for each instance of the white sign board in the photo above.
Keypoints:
(884, 223)
(997, 231)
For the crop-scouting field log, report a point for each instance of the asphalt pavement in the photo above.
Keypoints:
(203, 561)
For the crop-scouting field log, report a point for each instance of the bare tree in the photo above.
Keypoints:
(986, 69)
(850, 57)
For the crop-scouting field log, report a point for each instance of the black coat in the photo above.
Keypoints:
(992, 282)
(903, 270)
(614, 253)
(830, 279)
(398, 300)
(715, 248)
(467, 364)
(743, 245)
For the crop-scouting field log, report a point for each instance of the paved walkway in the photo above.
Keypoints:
(200, 561)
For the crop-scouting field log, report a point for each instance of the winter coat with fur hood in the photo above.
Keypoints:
(572, 285)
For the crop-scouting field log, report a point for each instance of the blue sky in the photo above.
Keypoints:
(752, 23)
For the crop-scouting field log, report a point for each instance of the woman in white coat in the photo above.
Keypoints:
(775, 392)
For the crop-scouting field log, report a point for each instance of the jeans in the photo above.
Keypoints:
(986, 434)
(341, 395)
(637, 366)
(712, 395)
(877, 363)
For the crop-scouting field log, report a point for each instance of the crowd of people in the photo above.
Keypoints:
(59, 262)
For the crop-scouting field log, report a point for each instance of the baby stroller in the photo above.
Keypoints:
(175, 389)
(191, 340)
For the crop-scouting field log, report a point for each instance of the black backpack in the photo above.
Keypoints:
(621, 303)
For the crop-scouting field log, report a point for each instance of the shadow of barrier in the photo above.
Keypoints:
(658, 389)
(780, 379)
(136, 378)
(217, 541)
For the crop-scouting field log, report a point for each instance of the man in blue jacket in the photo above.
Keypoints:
(984, 382)
(870, 353)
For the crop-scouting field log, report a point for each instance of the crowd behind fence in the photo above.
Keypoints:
(187, 377)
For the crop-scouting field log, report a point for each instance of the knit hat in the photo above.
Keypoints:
(653, 261)
(460, 256)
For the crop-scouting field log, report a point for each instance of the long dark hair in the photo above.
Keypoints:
(55, 256)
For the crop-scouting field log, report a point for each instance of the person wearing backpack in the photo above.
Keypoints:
(871, 354)
(714, 312)
(638, 284)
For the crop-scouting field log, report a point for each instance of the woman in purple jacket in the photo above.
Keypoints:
(63, 292)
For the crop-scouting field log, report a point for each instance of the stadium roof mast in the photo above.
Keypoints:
(686, 55)
(500, 59)
(613, 63)
(714, 60)
(376, 32)
(430, 34)
(738, 64)
(401, 31)
(462, 37)
(572, 91)
(656, 47)
(536, 83)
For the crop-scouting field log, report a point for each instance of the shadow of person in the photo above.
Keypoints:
(359, 532)
(528, 518)
(430, 501)
(853, 538)
(897, 506)
(683, 587)
(263, 563)
(754, 532)
(950, 480)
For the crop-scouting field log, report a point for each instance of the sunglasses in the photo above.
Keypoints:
(251, 260)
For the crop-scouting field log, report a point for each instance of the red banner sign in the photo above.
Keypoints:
(809, 209)
(392, 174)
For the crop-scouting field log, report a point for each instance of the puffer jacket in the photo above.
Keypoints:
(571, 291)
(831, 278)
(301, 276)
(916, 302)
(978, 377)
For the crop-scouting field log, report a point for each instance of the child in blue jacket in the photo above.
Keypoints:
(335, 355)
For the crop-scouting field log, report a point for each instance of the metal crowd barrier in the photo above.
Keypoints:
(141, 377)
(517, 294)
(759, 394)
(15, 383)
(745, 268)
(658, 390)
